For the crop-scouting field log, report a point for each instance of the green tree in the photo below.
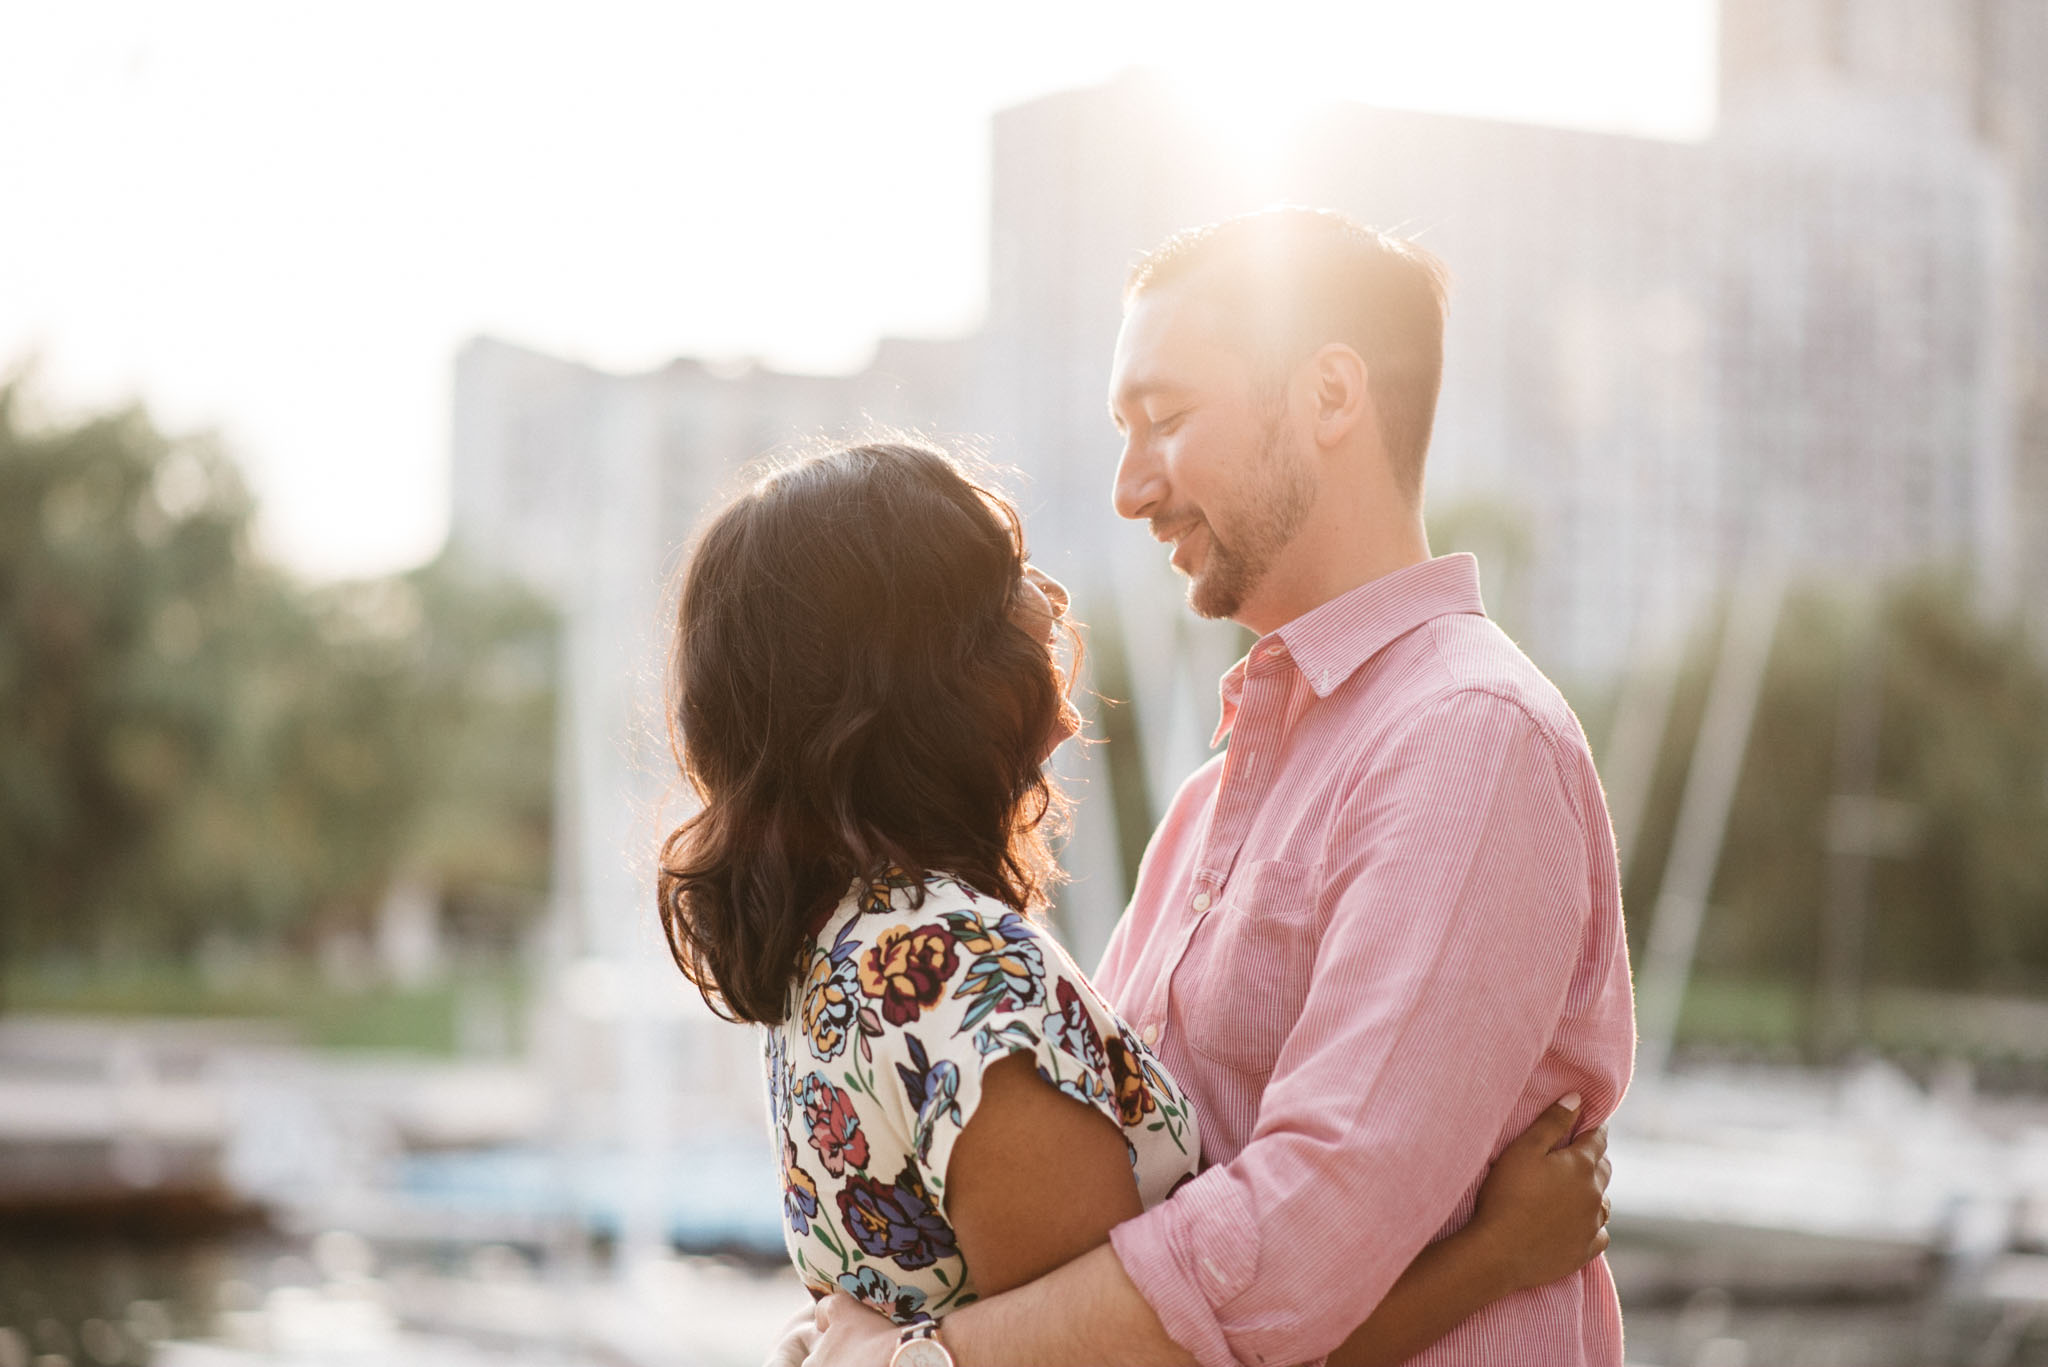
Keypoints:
(1960, 899)
(123, 571)
(191, 743)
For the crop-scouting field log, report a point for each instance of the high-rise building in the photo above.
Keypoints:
(1664, 360)
(1812, 338)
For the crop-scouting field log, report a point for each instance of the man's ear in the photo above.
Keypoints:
(1342, 398)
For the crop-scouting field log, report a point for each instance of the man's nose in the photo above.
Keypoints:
(1139, 489)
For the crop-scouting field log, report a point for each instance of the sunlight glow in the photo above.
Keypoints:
(282, 221)
(1247, 112)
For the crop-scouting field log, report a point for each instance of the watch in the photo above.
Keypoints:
(919, 1346)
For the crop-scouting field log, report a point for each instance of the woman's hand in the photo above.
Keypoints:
(799, 1336)
(1543, 1208)
(850, 1334)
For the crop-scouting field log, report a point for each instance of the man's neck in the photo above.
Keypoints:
(1343, 553)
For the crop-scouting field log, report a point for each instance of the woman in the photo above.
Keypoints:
(866, 686)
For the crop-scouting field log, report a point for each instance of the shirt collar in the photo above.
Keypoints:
(1328, 644)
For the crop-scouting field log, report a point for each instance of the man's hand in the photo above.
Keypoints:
(850, 1334)
(1544, 1207)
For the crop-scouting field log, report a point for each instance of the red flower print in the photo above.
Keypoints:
(835, 1130)
(906, 970)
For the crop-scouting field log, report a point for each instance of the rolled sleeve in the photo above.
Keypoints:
(1456, 882)
(1182, 1277)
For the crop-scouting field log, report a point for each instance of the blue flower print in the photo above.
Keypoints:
(1073, 1033)
(799, 1191)
(933, 1089)
(903, 1304)
(1008, 971)
(1086, 1088)
(1012, 1037)
(781, 1080)
(831, 994)
(900, 1221)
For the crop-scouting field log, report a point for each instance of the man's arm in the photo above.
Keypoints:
(1085, 1314)
(1542, 1215)
(1436, 988)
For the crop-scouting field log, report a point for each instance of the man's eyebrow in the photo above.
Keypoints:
(1137, 391)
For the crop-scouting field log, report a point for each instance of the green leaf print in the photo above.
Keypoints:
(952, 1294)
(1176, 1115)
(832, 1245)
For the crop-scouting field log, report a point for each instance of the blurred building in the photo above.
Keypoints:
(1975, 68)
(1813, 338)
(1665, 361)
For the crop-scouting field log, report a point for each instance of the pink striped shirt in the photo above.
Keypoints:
(1373, 940)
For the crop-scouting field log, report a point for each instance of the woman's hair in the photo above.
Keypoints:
(850, 696)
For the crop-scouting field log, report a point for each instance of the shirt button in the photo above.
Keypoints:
(1151, 1035)
(1201, 901)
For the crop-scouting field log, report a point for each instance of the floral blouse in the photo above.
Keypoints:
(878, 1064)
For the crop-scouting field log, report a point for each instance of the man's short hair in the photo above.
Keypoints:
(1286, 281)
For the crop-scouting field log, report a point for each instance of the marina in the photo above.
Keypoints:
(261, 1204)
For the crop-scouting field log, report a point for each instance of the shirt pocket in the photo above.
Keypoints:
(1251, 961)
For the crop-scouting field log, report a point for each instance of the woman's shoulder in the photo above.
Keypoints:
(873, 905)
(906, 944)
(933, 966)
(898, 950)
(912, 990)
(931, 919)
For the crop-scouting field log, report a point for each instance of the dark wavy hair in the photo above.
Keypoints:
(849, 695)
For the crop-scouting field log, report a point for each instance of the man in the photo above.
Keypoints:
(1383, 931)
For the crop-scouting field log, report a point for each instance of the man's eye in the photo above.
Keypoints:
(1166, 425)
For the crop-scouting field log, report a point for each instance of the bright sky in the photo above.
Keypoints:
(279, 221)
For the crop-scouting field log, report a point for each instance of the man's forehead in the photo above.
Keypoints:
(1164, 333)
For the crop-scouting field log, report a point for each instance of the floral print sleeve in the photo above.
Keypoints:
(900, 1008)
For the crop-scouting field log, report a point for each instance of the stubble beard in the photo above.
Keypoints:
(1269, 522)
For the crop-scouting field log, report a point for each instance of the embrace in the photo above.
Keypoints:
(1337, 1088)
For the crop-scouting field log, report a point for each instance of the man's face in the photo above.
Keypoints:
(1210, 460)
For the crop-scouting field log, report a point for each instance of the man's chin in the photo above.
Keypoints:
(1214, 597)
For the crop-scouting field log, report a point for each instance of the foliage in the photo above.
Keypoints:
(1962, 748)
(191, 743)
(1498, 535)
(459, 1014)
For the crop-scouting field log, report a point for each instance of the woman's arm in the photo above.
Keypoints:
(1542, 1215)
(1035, 1180)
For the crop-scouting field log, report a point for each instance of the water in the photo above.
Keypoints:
(105, 1300)
(1712, 1331)
(109, 1299)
